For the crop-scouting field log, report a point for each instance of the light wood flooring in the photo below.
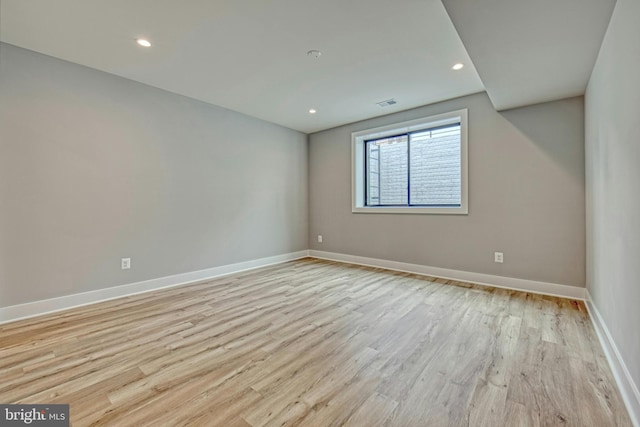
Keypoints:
(316, 343)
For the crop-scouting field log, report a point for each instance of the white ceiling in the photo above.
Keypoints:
(531, 51)
(250, 55)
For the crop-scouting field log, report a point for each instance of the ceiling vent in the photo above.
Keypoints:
(386, 103)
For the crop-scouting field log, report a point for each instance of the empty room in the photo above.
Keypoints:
(319, 213)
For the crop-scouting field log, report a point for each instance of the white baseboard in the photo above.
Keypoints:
(37, 308)
(532, 286)
(626, 385)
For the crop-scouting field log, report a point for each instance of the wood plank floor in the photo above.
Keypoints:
(317, 343)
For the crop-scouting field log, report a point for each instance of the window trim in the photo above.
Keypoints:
(358, 178)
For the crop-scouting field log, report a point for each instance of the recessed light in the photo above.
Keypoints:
(143, 42)
(312, 111)
(457, 66)
(314, 53)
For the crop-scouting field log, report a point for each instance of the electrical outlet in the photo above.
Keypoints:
(319, 238)
(498, 257)
(125, 263)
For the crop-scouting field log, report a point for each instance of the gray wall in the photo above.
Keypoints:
(94, 167)
(613, 182)
(526, 196)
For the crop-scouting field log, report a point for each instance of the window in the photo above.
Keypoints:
(412, 167)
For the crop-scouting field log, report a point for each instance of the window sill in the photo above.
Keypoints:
(423, 211)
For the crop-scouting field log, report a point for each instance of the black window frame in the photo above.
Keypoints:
(408, 135)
